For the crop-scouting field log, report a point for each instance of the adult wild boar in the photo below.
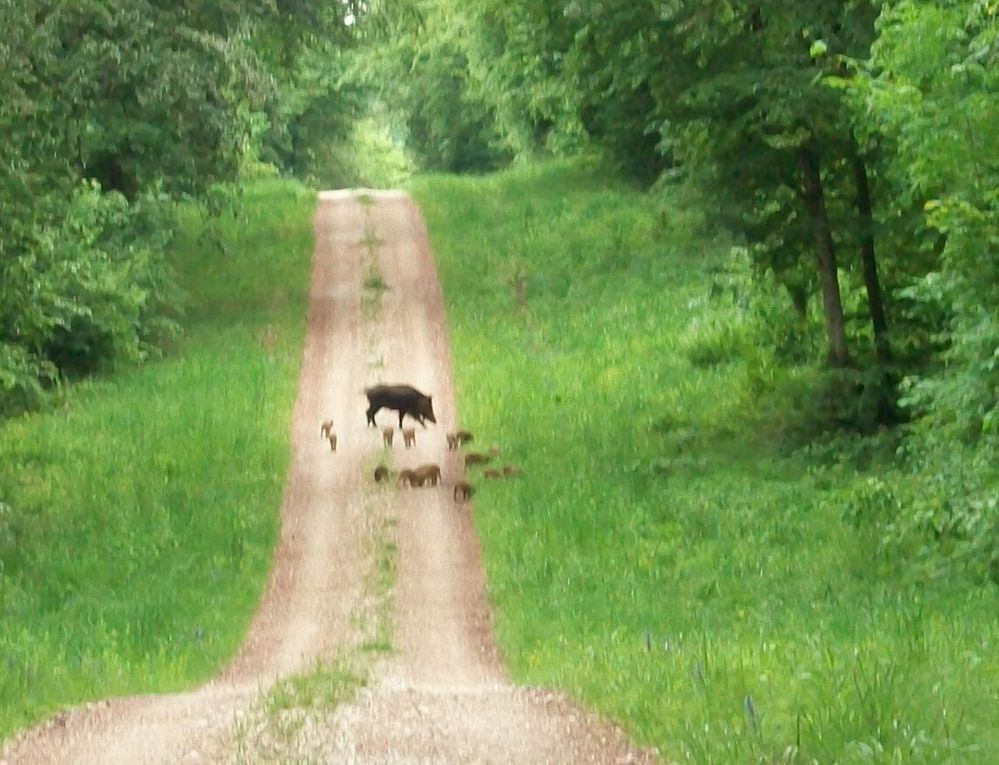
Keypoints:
(405, 399)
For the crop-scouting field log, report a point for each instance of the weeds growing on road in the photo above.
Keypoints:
(659, 557)
(283, 729)
(292, 723)
(139, 520)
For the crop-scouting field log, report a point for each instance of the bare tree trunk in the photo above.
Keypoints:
(814, 197)
(875, 299)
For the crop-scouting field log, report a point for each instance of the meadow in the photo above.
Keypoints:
(139, 517)
(664, 556)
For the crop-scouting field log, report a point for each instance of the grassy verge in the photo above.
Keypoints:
(138, 521)
(658, 557)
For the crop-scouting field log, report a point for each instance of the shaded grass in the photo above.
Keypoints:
(142, 515)
(659, 557)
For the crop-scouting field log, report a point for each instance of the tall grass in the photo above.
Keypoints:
(137, 522)
(658, 556)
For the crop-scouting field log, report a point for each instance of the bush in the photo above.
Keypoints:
(82, 289)
(938, 518)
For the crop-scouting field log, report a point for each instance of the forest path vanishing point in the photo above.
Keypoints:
(439, 694)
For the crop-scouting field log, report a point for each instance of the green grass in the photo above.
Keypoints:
(326, 686)
(278, 729)
(138, 520)
(659, 557)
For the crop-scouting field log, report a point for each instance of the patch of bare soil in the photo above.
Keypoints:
(440, 695)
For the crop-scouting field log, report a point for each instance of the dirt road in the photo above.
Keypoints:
(440, 695)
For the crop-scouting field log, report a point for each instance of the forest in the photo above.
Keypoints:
(848, 153)
(850, 149)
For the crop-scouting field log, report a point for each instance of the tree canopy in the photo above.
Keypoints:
(109, 110)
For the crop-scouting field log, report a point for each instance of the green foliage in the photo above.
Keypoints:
(371, 156)
(657, 556)
(730, 94)
(314, 104)
(129, 94)
(137, 520)
(924, 95)
(412, 59)
(517, 65)
(83, 291)
(110, 112)
(935, 521)
(104, 109)
(930, 84)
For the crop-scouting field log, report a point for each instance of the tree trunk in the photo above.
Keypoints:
(875, 299)
(814, 197)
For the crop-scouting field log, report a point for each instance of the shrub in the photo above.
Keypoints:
(82, 290)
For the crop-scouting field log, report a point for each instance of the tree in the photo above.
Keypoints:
(739, 103)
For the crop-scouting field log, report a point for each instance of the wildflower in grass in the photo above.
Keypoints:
(754, 719)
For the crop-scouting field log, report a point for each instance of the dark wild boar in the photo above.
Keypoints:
(405, 399)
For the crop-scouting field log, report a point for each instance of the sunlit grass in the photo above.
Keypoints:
(141, 517)
(658, 557)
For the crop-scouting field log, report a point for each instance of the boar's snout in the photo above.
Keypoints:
(429, 410)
